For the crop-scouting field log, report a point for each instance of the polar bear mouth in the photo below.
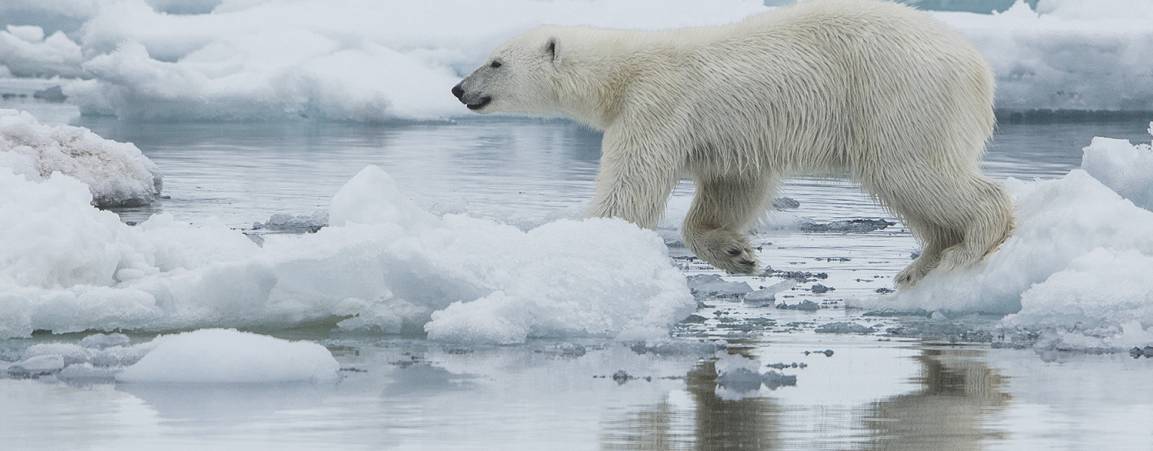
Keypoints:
(484, 101)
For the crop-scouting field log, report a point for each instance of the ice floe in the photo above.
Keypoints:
(1075, 269)
(117, 174)
(383, 265)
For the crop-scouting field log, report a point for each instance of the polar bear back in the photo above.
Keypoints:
(824, 86)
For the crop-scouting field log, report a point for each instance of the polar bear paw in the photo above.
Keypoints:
(724, 249)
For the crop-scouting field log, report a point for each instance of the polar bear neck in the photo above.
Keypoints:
(599, 70)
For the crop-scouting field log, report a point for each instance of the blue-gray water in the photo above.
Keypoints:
(408, 393)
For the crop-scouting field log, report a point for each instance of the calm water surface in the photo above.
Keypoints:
(408, 393)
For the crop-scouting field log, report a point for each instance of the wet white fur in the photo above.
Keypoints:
(871, 90)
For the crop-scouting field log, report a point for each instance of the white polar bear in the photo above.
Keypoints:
(875, 91)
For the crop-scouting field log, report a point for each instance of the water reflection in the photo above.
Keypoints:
(952, 394)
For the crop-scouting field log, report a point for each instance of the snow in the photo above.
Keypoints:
(1076, 267)
(383, 265)
(359, 60)
(117, 174)
(229, 356)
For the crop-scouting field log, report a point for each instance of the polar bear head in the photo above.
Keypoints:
(520, 76)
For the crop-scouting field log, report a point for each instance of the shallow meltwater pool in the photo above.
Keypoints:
(799, 372)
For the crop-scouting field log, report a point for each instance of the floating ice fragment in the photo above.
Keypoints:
(37, 365)
(712, 285)
(229, 356)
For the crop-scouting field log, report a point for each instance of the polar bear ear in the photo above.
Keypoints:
(551, 49)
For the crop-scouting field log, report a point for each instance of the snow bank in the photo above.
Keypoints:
(1122, 166)
(117, 174)
(228, 356)
(383, 264)
(1077, 265)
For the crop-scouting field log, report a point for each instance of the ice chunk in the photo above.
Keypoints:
(713, 285)
(117, 174)
(101, 341)
(37, 365)
(843, 327)
(1124, 167)
(229, 356)
(384, 265)
(846, 226)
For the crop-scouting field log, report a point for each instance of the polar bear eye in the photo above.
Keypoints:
(495, 64)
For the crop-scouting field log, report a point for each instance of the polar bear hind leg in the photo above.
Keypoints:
(959, 220)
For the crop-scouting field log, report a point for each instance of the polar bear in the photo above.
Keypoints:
(874, 91)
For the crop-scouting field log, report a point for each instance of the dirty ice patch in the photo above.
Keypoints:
(229, 356)
(1073, 265)
(384, 266)
(117, 174)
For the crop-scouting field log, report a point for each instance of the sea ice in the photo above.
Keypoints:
(1076, 267)
(117, 174)
(383, 264)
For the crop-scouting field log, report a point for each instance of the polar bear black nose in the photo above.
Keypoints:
(457, 91)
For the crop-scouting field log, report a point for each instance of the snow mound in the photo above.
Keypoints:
(1122, 166)
(382, 265)
(1075, 269)
(117, 174)
(229, 356)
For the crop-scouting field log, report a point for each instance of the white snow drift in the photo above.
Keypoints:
(366, 60)
(383, 265)
(1077, 266)
(117, 174)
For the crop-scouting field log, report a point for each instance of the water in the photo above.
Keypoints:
(408, 393)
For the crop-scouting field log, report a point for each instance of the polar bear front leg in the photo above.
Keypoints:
(721, 212)
(635, 179)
